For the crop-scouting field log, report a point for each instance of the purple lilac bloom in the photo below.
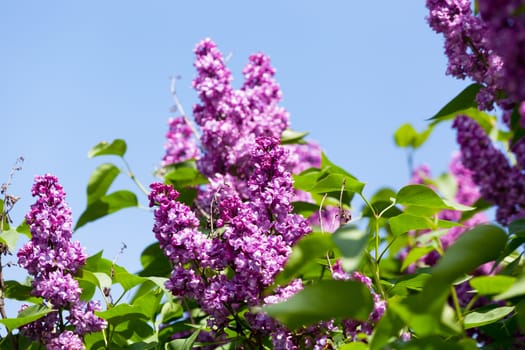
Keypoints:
(230, 119)
(498, 181)
(505, 23)
(180, 144)
(255, 241)
(469, 54)
(52, 259)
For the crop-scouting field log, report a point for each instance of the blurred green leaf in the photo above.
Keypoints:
(516, 289)
(487, 315)
(473, 248)
(407, 136)
(354, 346)
(415, 254)
(387, 328)
(488, 285)
(517, 227)
(10, 238)
(304, 255)
(352, 243)
(324, 300)
(100, 181)
(420, 199)
(290, 136)
(183, 344)
(116, 148)
(29, 314)
(106, 205)
(437, 343)
(16, 290)
(407, 222)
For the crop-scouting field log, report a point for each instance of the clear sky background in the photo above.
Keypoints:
(75, 73)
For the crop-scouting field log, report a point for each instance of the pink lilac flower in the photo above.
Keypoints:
(52, 259)
(180, 142)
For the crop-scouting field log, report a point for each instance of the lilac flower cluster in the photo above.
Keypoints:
(52, 259)
(505, 22)
(466, 46)
(499, 182)
(180, 144)
(231, 119)
(251, 238)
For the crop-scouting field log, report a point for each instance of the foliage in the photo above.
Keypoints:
(262, 242)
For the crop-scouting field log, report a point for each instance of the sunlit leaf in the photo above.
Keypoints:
(352, 243)
(290, 136)
(488, 285)
(324, 300)
(29, 314)
(106, 205)
(464, 100)
(116, 148)
(100, 181)
(484, 316)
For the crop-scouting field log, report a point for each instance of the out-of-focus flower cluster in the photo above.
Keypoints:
(52, 259)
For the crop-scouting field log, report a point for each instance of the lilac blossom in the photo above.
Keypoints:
(52, 259)
(469, 54)
(499, 182)
(180, 144)
(255, 239)
(505, 35)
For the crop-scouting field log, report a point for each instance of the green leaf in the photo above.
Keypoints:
(116, 148)
(304, 255)
(183, 344)
(407, 136)
(464, 100)
(484, 316)
(517, 227)
(154, 262)
(16, 290)
(106, 205)
(335, 182)
(122, 312)
(100, 181)
(407, 222)
(473, 248)
(516, 289)
(290, 136)
(413, 282)
(352, 243)
(414, 255)
(488, 285)
(324, 300)
(10, 238)
(387, 328)
(354, 346)
(437, 343)
(125, 279)
(28, 315)
(170, 311)
(420, 199)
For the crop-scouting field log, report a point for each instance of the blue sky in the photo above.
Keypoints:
(75, 73)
